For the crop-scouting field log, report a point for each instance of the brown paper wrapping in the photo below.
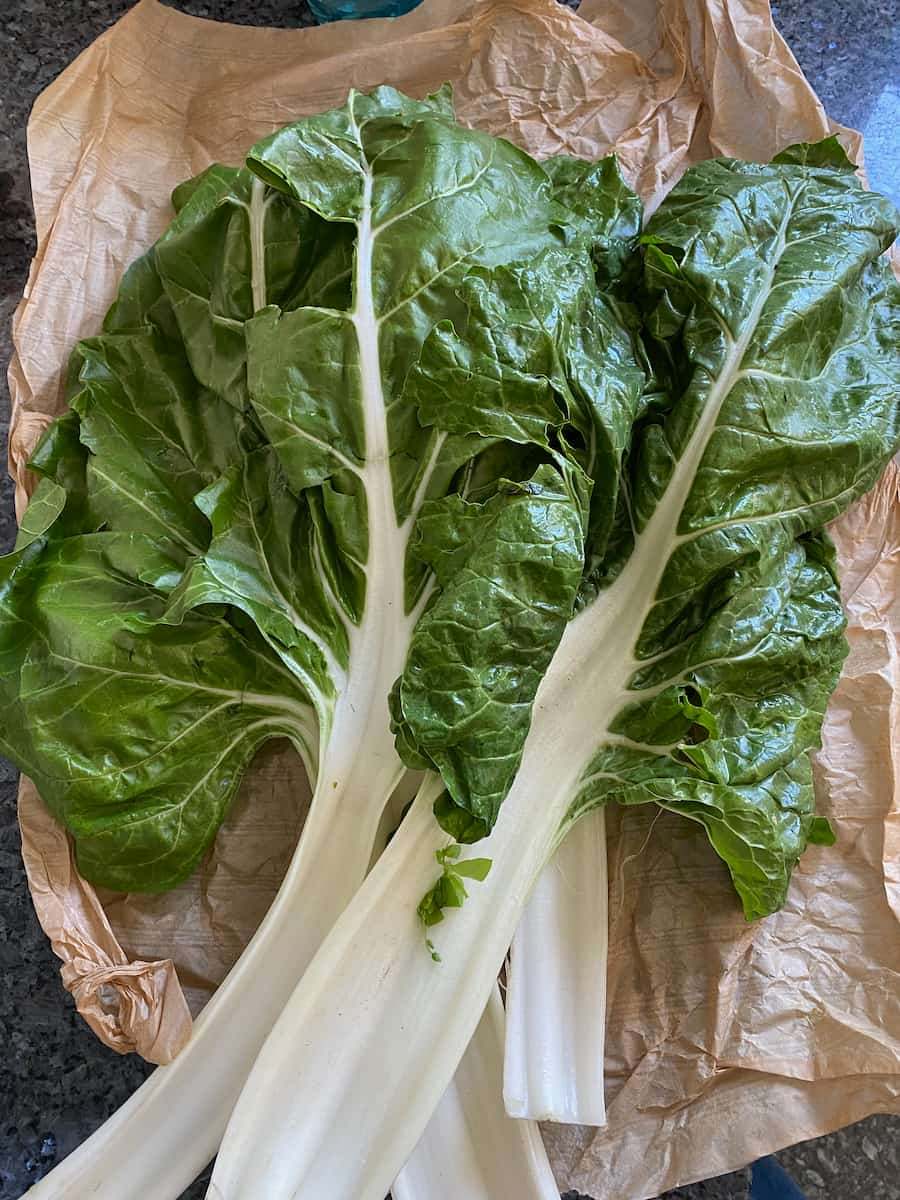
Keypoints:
(725, 1041)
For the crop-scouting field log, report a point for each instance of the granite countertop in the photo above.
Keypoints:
(57, 1082)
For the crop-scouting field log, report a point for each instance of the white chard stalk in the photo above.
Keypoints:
(315, 1121)
(306, 1117)
(556, 991)
(471, 1150)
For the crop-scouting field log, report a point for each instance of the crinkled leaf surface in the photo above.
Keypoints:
(135, 732)
(234, 247)
(155, 436)
(263, 560)
(223, 546)
(603, 208)
(431, 203)
(480, 651)
(710, 633)
(766, 294)
(539, 339)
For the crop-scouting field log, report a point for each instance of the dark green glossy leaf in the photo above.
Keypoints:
(135, 732)
(773, 322)
(509, 571)
(601, 206)
(544, 357)
(407, 176)
(235, 247)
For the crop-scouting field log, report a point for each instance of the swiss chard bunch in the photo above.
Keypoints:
(694, 674)
(281, 459)
(399, 445)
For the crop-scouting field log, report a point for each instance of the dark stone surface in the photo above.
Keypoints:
(57, 1082)
(849, 52)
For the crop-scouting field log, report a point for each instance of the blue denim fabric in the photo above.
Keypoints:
(769, 1181)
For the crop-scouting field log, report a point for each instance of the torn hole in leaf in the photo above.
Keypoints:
(692, 695)
(573, 437)
(692, 700)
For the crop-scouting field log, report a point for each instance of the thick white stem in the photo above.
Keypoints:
(402, 1022)
(306, 1122)
(166, 1133)
(471, 1150)
(556, 996)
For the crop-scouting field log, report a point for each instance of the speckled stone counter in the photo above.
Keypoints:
(57, 1082)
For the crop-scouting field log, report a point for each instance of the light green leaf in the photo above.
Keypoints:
(473, 868)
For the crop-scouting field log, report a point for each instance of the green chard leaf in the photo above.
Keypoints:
(154, 436)
(709, 630)
(234, 247)
(450, 891)
(764, 286)
(135, 733)
(238, 525)
(480, 650)
(603, 209)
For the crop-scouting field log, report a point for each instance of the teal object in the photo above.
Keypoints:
(349, 10)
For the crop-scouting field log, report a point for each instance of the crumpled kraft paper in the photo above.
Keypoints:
(726, 1041)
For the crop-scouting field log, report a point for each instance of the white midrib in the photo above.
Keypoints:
(378, 645)
(588, 679)
(319, 1128)
(257, 218)
(360, 729)
(360, 767)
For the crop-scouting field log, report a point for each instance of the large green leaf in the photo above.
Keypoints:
(155, 437)
(709, 637)
(431, 201)
(545, 360)
(767, 300)
(252, 472)
(135, 732)
(428, 204)
(263, 560)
